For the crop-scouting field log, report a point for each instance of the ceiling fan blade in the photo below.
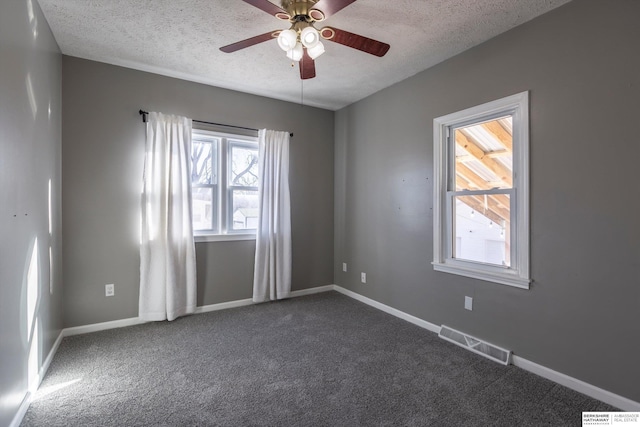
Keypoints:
(270, 8)
(365, 44)
(250, 42)
(330, 7)
(307, 67)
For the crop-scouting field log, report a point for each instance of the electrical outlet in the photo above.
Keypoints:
(468, 303)
(344, 267)
(109, 290)
(363, 277)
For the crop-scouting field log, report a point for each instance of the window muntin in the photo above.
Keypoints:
(224, 185)
(481, 224)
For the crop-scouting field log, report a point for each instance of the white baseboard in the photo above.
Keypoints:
(22, 410)
(223, 306)
(24, 406)
(557, 377)
(387, 309)
(47, 362)
(95, 327)
(132, 321)
(577, 385)
(311, 291)
(249, 301)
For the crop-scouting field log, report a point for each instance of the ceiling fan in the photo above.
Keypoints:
(302, 41)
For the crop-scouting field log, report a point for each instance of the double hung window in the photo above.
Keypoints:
(224, 182)
(481, 217)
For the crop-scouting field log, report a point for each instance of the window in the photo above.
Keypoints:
(224, 182)
(481, 197)
(243, 185)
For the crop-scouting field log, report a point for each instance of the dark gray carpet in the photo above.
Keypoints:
(320, 360)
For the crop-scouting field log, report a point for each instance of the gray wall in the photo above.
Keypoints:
(581, 315)
(103, 149)
(30, 142)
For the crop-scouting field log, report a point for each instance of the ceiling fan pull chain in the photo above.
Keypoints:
(302, 92)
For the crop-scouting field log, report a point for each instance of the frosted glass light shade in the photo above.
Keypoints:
(287, 39)
(309, 37)
(295, 54)
(316, 51)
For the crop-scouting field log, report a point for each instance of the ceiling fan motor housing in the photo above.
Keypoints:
(302, 10)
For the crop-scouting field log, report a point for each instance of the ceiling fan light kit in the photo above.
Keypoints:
(293, 42)
(301, 41)
(287, 39)
(309, 37)
(316, 50)
(296, 53)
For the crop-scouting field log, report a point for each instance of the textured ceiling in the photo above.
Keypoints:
(181, 38)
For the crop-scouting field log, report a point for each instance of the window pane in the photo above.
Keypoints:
(244, 208)
(204, 209)
(244, 166)
(482, 229)
(204, 162)
(484, 155)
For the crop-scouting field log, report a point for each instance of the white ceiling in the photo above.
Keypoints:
(181, 38)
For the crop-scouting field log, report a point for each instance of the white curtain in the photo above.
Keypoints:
(167, 251)
(272, 274)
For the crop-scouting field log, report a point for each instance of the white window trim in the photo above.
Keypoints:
(224, 234)
(518, 276)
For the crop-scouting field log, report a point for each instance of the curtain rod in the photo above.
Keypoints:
(145, 113)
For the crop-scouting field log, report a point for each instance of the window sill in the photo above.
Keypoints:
(489, 276)
(223, 237)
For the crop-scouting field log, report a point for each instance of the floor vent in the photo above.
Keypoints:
(483, 348)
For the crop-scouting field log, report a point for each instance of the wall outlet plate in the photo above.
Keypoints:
(344, 267)
(468, 303)
(109, 290)
(363, 277)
